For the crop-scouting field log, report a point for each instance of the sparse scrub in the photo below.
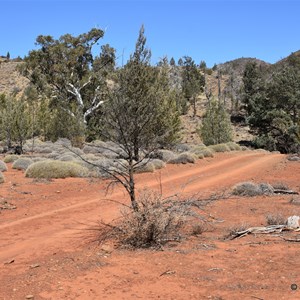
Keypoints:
(22, 163)
(203, 151)
(145, 167)
(3, 166)
(53, 155)
(219, 148)
(38, 158)
(67, 157)
(55, 169)
(2, 179)
(156, 222)
(164, 155)
(233, 146)
(157, 163)
(10, 158)
(252, 189)
(280, 186)
(275, 219)
(184, 158)
(182, 148)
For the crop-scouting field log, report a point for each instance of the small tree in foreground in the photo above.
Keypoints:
(139, 116)
(216, 126)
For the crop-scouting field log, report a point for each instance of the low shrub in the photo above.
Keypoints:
(219, 148)
(252, 189)
(10, 158)
(164, 155)
(233, 146)
(157, 163)
(3, 166)
(184, 158)
(2, 179)
(155, 223)
(22, 163)
(145, 167)
(67, 157)
(56, 169)
(181, 148)
(275, 219)
(203, 151)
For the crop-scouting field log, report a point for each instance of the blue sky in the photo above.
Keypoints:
(214, 31)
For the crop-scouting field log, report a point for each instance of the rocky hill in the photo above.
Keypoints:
(10, 79)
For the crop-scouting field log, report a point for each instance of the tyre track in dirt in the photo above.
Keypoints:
(60, 229)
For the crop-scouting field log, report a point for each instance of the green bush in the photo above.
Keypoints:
(3, 166)
(184, 158)
(1, 178)
(10, 158)
(22, 163)
(219, 148)
(56, 169)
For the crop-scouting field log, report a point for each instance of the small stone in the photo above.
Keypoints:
(34, 266)
(29, 297)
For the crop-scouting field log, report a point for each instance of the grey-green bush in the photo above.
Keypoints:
(184, 158)
(1, 178)
(3, 166)
(56, 169)
(219, 148)
(10, 158)
(22, 163)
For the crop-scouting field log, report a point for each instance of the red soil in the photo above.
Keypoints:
(46, 249)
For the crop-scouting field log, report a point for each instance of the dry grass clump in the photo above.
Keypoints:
(2, 179)
(145, 167)
(184, 158)
(203, 151)
(219, 148)
(157, 163)
(22, 163)
(10, 158)
(3, 166)
(157, 222)
(67, 157)
(63, 142)
(281, 186)
(252, 189)
(233, 146)
(56, 169)
(164, 155)
(182, 148)
(275, 219)
(244, 148)
(38, 158)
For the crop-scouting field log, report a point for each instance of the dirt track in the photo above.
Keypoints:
(48, 228)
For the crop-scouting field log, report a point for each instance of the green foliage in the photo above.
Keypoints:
(55, 169)
(273, 109)
(172, 62)
(62, 70)
(14, 120)
(216, 125)
(192, 81)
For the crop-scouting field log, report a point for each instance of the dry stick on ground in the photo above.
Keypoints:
(261, 230)
(289, 192)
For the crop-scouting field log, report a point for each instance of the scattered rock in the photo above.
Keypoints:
(293, 222)
(34, 266)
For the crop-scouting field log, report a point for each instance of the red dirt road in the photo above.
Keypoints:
(45, 248)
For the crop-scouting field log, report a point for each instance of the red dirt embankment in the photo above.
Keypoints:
(45, 248)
